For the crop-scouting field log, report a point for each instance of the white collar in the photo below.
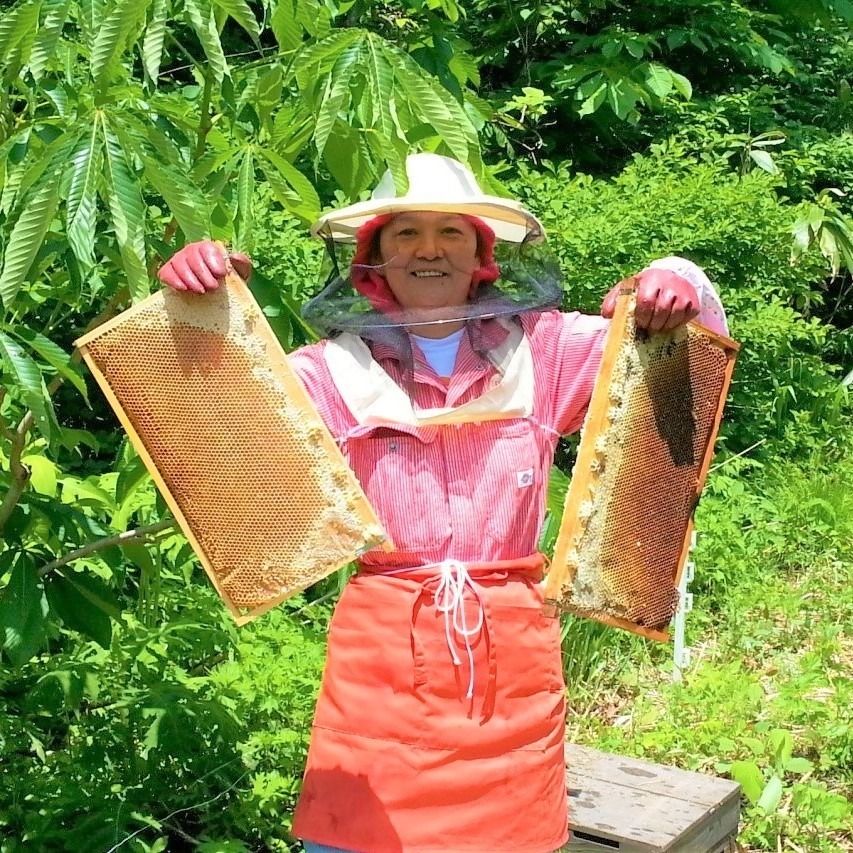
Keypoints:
(375, 399)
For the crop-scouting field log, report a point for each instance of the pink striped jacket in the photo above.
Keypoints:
(472, 491)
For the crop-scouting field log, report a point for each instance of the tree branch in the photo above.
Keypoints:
(136, 535)
(20, 473)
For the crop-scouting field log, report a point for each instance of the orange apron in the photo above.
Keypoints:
(441, 718)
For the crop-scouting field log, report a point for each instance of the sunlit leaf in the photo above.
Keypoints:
(16, 25)
(659, 79)
(26, 238)
(240, 11)
(82, 204)
(49, 33)
(594, 101)
(43, 474)
(433, 103)
(285, 25)
(114, 31)
(128, 214)
(152, 43)
(54, 355)
(337, 93)
(245, 195)
(380, 82)
(306, 203)
(315, 61)
(771, 795)
(91, 14)
(187, 203)
(682, 85)
(750, 779)
(203, 22)
(30, 382)
(764, 160)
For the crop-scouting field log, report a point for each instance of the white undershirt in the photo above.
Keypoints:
(440, 353)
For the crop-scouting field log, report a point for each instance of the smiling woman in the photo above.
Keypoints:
(428, 260)
(440, 720)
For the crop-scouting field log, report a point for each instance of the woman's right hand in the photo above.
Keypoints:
(201, 266)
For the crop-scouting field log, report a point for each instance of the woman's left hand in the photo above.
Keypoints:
(664, 300)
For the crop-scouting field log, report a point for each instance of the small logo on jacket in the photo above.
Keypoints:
(525, 478)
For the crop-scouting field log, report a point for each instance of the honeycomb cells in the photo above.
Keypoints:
(620, 552)
(245, 462)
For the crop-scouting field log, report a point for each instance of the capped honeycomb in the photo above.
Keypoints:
(234, 443)
(645, 450)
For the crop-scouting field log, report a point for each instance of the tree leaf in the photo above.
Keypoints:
(315, 61)
(682, 85)
(201, 18)
(23, 609)
(155, 36)
(45, 44)
(52, 159)
(240, 11)
(113, 31)
(622, 96)
(285, 26)
(659, 79)
(187, 203)
(594, 101)
(31, 383)
(43, 474)
(244, 215)
(26, 238)
(54, 355)
(764, 160)
(91, 13)
(306, 203)
(336, 95)
(430, 101)
(558, 485)
(83, 603)
(16, 25)
(82, 204)
(380, 83)
(128, 214)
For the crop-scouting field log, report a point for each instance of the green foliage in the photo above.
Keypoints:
(132, 711)
(734, 227)
(605, 65)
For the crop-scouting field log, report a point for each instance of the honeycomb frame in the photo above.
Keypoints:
(608, 565)
(233, 442)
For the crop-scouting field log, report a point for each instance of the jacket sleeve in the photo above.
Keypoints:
(567, 351)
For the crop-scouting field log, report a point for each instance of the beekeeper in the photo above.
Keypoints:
(446, 375)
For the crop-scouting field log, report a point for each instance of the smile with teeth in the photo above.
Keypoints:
(428, 274)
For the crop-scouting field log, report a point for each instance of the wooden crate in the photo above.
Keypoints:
(618, 803)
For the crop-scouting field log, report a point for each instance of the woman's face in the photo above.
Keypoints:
(429, 258)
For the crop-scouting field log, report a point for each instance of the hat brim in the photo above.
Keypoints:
(510, 221)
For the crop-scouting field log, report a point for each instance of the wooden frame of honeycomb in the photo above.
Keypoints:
(644, 454)
(233, 442)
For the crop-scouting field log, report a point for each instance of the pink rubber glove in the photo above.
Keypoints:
(200, 267)
(664, 300)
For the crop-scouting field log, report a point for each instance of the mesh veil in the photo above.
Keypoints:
(526, 278)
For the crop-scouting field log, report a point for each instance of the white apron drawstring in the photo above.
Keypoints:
(449, 598)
